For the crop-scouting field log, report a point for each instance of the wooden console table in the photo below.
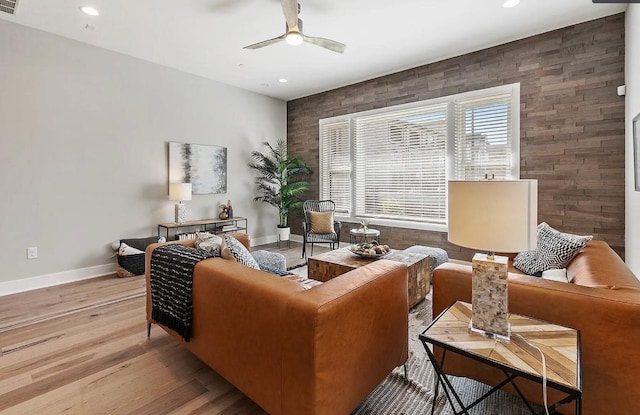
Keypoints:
(235, 224)
(328, 265)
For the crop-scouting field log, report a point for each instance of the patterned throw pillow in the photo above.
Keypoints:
(555, 250)
(206, 241)
(234, 250)
(321, 222)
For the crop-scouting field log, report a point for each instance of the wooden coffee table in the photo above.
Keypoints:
(330, 264)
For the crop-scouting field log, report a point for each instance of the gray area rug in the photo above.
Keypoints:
(396, 396)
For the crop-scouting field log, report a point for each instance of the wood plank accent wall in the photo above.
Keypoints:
(571, 127)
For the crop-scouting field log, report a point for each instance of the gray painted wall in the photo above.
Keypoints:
(83, 153)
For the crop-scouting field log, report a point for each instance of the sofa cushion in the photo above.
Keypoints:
(206, 241)
(555, 250)
(559, 275)
(233, 249)
(321, 222)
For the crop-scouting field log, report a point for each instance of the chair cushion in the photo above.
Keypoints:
(321, 222)
(555, 250)
(233, 249)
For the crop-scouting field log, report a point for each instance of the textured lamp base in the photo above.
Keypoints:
(181, 213)
(489, 305)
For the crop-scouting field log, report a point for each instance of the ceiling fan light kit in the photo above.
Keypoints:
(293, 33)
(294, 38)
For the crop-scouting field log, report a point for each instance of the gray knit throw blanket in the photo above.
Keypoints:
(171, 278)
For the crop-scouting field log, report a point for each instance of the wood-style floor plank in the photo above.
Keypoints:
(81, 348)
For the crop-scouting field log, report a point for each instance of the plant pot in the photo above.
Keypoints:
(284, 233)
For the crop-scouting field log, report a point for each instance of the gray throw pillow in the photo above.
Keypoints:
(555, 250)
(234, 250)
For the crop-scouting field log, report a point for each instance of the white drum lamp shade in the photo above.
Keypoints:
(492, 216)
(180, 192)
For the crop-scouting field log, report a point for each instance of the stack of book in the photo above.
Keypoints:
(229, 228)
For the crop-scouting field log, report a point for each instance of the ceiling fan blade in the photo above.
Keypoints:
(326, 43)
(265, 42)
(290, 10)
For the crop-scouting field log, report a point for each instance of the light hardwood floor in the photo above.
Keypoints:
(81, 348)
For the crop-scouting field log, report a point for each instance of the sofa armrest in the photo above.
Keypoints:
(607, 320)
(359, 321)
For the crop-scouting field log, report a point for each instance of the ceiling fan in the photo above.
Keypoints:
(293, 34)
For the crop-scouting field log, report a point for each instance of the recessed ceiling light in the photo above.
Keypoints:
(510, 3)
(89, 10)
(282, 80)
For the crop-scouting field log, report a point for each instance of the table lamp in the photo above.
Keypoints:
(493, 216)
(180, 192)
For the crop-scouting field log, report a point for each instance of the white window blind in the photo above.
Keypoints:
(335, 165)
(392, 164)
(484, 138)
(400, 164)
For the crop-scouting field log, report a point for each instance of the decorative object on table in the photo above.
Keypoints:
(204, 166)
(320, 225)
(364, 224)
(180, 192)
(364, 235)
(229, 209)
(496, 216)
(370, 249)
(636, 150)
(224, 212)
(280, 182)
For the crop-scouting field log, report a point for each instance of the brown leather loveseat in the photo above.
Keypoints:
(602, 300)
(293, 351)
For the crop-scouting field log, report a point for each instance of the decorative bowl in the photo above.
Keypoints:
(370, 249)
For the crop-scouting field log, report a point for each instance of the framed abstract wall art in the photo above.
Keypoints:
(204, 166)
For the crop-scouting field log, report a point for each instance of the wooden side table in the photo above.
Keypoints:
(329, 265)
(520, 357)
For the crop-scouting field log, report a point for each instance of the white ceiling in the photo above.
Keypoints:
(205, 37)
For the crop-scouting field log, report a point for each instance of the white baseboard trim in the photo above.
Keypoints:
(48, 280)
(271, 239)
(264, 240)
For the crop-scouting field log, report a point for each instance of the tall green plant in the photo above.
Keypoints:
(281, 179)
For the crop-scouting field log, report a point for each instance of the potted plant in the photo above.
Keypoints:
(281, 180)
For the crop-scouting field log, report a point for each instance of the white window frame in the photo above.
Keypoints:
(513, 89)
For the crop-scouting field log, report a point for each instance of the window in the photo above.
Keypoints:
(335, 165)
(392, 164)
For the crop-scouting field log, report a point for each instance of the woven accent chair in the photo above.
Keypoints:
(312, 238)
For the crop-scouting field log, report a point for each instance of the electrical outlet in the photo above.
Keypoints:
(32, 253)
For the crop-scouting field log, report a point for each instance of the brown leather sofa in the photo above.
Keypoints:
(319, 351)
(602, 300)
